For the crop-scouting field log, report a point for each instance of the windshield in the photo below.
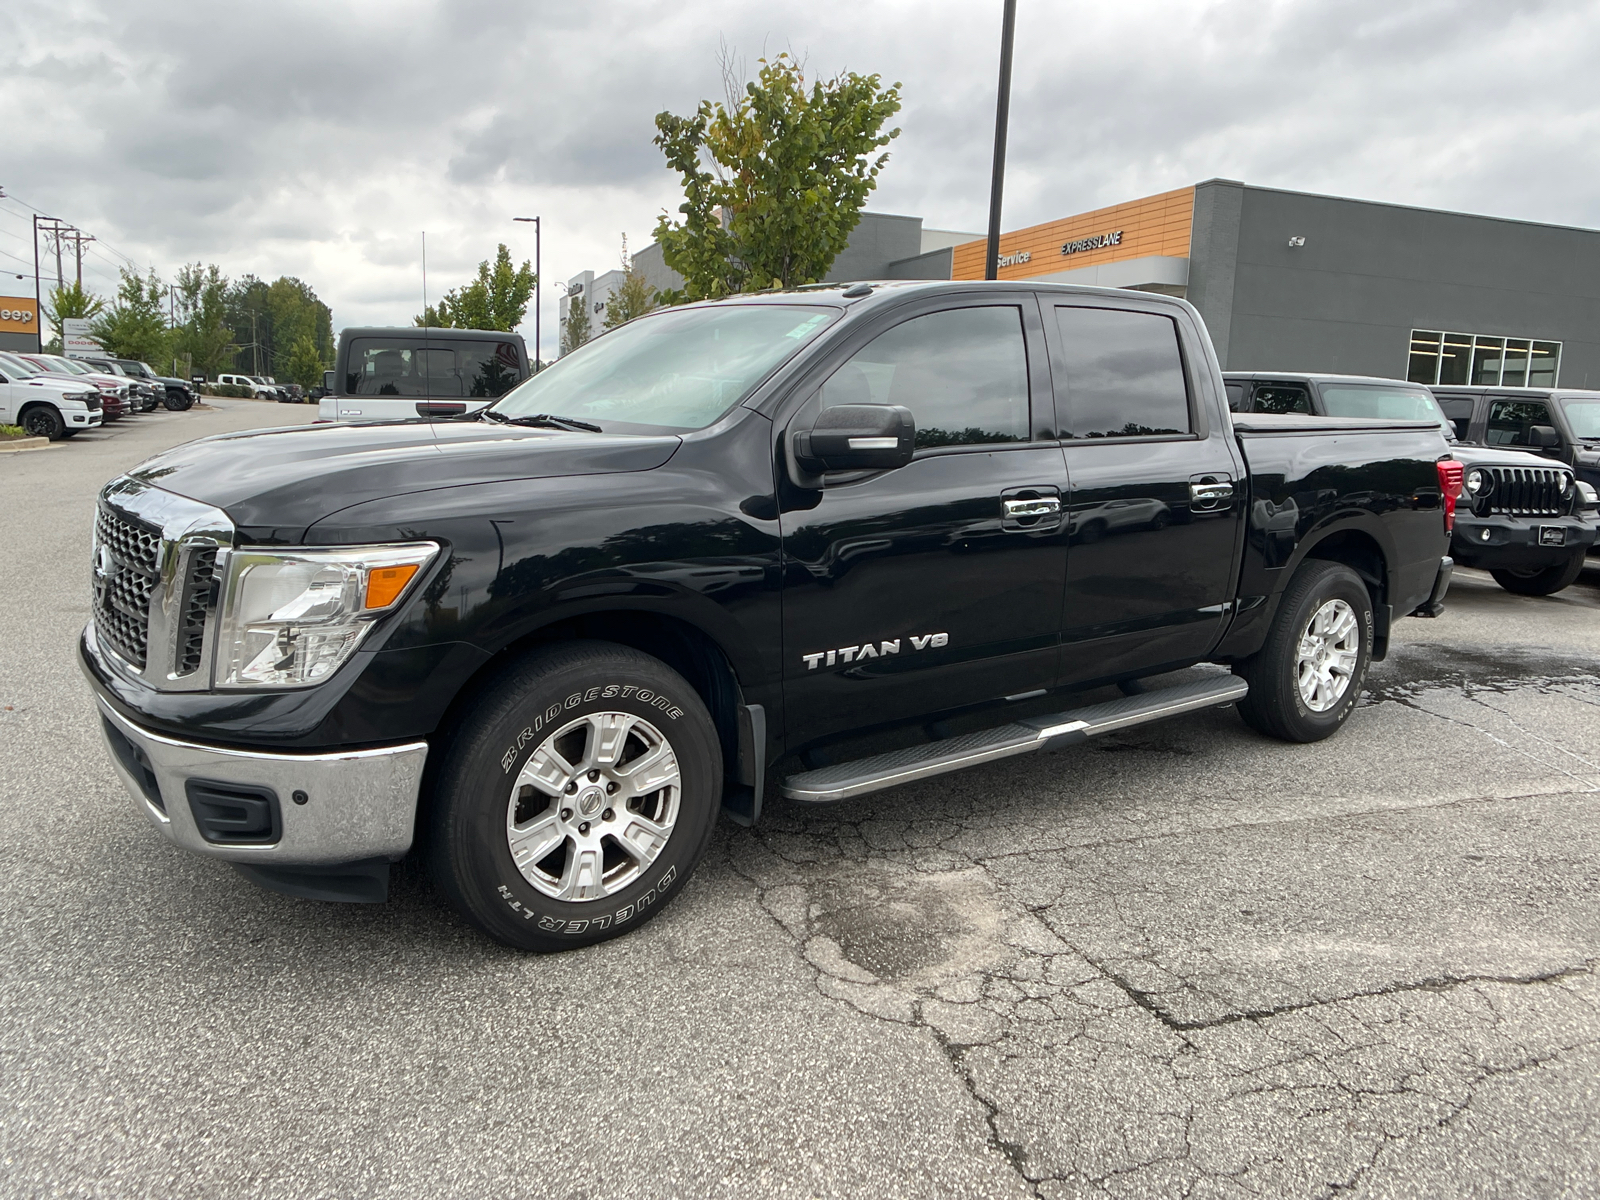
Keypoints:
(1584, 417)
(66, 364)
(1386, 403)
(19, 368)
(675, 370)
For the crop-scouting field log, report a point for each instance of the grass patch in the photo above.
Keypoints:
(10, 433)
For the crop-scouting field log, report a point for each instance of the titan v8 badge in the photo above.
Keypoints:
(847, 654)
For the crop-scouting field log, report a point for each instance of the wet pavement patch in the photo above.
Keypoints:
(1417, 666)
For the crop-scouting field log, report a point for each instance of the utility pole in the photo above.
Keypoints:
(538, 294)
(78, 239)
(53, 229)
(1002, 118)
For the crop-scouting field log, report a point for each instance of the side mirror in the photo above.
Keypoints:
(1543, 436)
(327, 381)
(857, 437)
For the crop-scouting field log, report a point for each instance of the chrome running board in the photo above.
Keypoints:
(844, 781)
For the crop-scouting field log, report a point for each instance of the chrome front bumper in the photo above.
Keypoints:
(358, 804)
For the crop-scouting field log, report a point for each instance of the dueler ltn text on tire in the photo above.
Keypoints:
(43, 421)
(1306, 678)
(1541, 581)
(577, 797)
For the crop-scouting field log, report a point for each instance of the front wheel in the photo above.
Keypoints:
(1304, 681)
(1540, 581)
(577, 799)
(44, 422)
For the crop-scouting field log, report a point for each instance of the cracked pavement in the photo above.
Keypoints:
(1181, 961)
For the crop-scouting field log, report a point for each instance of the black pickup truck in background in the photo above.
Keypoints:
(701, 555)
(1523, 518)
(397, 374)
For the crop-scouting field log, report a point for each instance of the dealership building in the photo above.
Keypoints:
(1294, 281)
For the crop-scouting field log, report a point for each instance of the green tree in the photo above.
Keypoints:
(303, 363)
(68, 302)
(135, 326)
(774, 181)
(203, 337)
(633, 298)
(575, 328)
(496, 299)
(268, 319)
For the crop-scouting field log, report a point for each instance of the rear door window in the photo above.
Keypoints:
(406, 367)
(1282, 398)
(1123, 374)
(1511, 422)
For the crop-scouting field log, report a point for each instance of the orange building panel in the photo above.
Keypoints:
(1153, 225)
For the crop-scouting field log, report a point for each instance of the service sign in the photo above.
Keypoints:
(76, 341)
(18, 315)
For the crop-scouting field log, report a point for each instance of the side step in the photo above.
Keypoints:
(844, 781)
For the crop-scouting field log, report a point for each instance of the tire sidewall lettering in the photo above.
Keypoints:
(552, 714)
(652, 895)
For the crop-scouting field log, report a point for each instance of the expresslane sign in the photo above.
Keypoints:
(18, 315)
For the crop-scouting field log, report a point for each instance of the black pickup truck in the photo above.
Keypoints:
(1523, 518)
(543, 644)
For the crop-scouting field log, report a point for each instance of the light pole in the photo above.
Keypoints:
(1002, 116)
(538, 284)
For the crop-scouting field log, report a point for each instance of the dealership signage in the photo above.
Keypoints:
(17, 315)
(1012, 260)
(1099, 242)
(76, 341)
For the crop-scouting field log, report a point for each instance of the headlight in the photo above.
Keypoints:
(290, 618)
(1477, 482)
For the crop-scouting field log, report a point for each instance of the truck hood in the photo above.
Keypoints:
(278, 482)
(1473, 455)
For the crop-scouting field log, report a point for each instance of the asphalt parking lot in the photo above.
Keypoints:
(1184, 961)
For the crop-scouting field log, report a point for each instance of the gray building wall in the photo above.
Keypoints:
(877, 240)
(935, 264)
(19, 341)
(1370, 273)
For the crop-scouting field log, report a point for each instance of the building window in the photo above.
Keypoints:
(1467, 358)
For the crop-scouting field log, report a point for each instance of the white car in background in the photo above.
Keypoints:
(258, 389)
(45, 406)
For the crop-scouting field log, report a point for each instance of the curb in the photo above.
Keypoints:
(16, 444)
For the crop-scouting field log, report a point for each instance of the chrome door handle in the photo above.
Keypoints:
(1209, 495)
(1038, 506)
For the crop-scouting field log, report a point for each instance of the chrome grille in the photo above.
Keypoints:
(196, 604)
(127, 572)
(1527, 492)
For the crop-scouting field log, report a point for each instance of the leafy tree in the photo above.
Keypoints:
(203, 337)
(268, 319)
(303, 363)
(68, 302)
(135, 326)
(774, 181)
(633, 298)
(496, 299)
(575, 328)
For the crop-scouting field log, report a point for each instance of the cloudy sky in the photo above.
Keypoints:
(319, 137)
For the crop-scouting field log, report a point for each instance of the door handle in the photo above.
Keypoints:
(1036, 506)
(1210, 495)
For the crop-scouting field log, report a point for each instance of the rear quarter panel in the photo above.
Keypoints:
(1307, 486)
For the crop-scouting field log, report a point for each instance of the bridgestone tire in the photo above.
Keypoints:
(45, 422)
(1542, 583)
(1275, 705)
(511, 721)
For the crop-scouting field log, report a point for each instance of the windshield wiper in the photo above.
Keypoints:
(544, 421)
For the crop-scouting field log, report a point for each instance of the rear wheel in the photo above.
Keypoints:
(45, 422)
(177, 402)
(578, 798)
(1306, 678)
(1540, 581)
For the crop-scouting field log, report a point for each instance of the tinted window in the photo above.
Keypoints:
(1124, 375)
(962, 373)
(1389, 403)
(1235, 396)
(1459, 410)
(1510, 421)
(1282, 398)
(406, 367)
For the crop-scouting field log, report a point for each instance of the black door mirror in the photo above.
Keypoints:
(857, 437)
(1543, 436)
(327, 381)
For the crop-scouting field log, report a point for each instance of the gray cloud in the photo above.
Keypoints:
(319, 139)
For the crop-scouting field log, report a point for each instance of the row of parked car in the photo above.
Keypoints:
(55, 397)
(265, 387)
